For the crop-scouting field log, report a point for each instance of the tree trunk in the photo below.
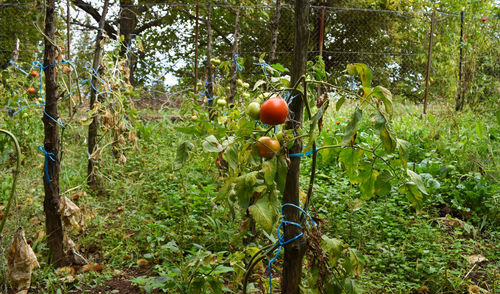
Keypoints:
(294, 252)
(53, 225)
(128, 24)
(275, 31)
(209, 81)
(234, 69)
(92, 136)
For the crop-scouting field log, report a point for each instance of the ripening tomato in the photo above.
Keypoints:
(31, 90)
(253, 110)
(35, 74)
(274, 111)
(268, 146)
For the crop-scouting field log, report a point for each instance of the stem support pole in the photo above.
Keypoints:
(429, 58)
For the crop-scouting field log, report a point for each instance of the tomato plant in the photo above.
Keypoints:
(255, 173)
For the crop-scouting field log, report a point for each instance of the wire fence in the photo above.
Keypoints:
(394, 44)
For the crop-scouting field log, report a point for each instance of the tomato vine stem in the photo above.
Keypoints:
(14, 180)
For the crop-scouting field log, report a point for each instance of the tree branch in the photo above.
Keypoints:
(219, 32)
(148, 25)
(76, 22)
(95, 15)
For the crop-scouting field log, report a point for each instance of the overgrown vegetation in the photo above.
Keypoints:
(202, 196)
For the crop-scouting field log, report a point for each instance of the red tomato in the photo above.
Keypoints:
(35, 74)
(274, 111)
(31, 90)
(264, 143)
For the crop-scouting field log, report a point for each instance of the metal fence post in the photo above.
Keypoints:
(196, 49)
(460, 97)
(429, 58)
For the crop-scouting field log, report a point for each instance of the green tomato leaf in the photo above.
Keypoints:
(211, 144)
(182, 154)
(387, 140)
(417, 180)
(386, 97)
(363, 71)
(339, 103)
(269, 168)
(221, 269)
(281, 173)
(350, 157)
(414, 195)
(352, 126)
(333, 248)
(231, 156)
(383, 183)
(279, 67)
(367, 183)
(355, 262)
(263, 213)
(402, 147)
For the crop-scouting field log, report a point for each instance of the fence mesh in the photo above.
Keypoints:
(393, 44)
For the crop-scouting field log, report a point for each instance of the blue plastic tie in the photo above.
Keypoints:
(94, 73)
(291, 99)
(303, 154)
(66, 95)
(238, 66)
(5, 155)
(281, 237)
(93, 41)
(205, 92)
(53, 119)
(22, 108)
(263, 65)
(130, 45)
(38, 65)
(48, 155)
(11, 62)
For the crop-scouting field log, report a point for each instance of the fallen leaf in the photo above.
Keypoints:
(77, 195)
(475, 258)
(91, 267)
(21, 261)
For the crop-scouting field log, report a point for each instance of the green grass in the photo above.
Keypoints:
(172, 218)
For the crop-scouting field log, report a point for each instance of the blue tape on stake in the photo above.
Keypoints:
(48, 156)
(281, 237)
(38, 65)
